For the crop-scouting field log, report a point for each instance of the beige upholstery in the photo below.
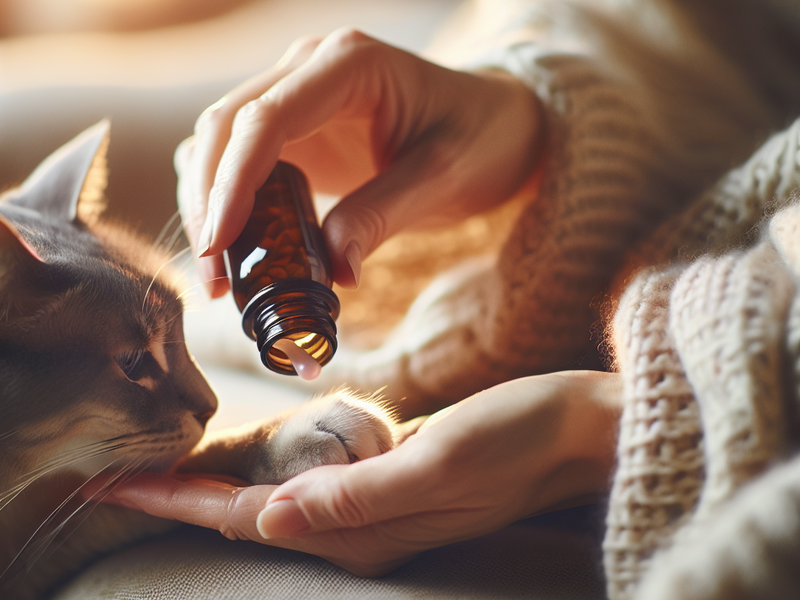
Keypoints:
(537, 559)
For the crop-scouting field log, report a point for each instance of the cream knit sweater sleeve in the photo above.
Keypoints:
(641, 114)
(709, 353)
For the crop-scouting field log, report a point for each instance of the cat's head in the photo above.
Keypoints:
(93, 365)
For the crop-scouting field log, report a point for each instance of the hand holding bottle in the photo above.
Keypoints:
(406, 143)
(511, 451)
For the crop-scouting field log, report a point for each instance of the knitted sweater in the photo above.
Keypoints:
(642, 113)
(706, 337)
(647, 105)
(709, 351)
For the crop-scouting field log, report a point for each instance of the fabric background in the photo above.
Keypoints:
(553, 557)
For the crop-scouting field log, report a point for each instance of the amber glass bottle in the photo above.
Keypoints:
(280, 274)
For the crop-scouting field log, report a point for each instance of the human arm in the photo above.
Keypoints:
(514, 450)
(621, 155)
(408, 143)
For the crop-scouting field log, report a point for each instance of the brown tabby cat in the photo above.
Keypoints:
(96, 380)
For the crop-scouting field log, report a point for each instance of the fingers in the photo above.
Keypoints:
(469, 158)
(326, 498)
(396, 199)
(369, 551)
(384, 488)
(210, 269)
(335, 81)
(239, 514)
(407, 143)
(504, 453)
(229, 509)
(197, 159)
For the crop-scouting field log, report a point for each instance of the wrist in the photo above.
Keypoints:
(526, 112)
(584, 454)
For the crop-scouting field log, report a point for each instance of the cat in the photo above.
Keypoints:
(96, 380)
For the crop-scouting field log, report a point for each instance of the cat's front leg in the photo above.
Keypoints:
(338, 428)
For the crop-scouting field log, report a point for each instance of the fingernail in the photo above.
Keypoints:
(217, 105)
(282, 518)
(353, 256)
(206, 233)
(203, 120)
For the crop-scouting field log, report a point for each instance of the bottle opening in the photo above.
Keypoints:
(297, 310)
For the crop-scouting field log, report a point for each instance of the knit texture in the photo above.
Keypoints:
(708, 351)
(660, 454)
(727, 215)
(634, 130)
(647, 107)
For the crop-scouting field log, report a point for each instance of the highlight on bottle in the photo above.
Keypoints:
(280, 277)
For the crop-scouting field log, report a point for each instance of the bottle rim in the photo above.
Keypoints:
(293, 308)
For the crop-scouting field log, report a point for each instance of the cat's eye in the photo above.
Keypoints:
(131, 364)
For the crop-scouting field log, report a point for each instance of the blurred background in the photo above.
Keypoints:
(152, 66)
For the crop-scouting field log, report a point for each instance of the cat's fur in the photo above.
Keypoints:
(95, 379)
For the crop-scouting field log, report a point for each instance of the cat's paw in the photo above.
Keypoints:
(338, 428)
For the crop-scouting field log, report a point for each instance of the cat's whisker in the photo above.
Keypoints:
(51, 465)
(158, 272)
(167, 226)
(171, 319)
(41, 541)
(83, 453)
(14, 565)
(193, 309)
(84, 511)
(71, 457)
(188, 291)
(189, 301)
(176, 235)
(101, 269)
(191, 305)
(197, 285)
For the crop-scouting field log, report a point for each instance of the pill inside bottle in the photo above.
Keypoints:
(305, 366)
(281, 278)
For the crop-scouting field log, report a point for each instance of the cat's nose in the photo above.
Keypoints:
(203, 417)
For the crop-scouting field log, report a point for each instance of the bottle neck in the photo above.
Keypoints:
(300, 310)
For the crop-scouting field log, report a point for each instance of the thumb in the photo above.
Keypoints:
(411, 192)
(347, 496)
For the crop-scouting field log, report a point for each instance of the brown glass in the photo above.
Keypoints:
(280, 273)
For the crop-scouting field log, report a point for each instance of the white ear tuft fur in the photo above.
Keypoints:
(92, 200)
(68, 185)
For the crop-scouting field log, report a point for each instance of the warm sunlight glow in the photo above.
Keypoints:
(120, 4)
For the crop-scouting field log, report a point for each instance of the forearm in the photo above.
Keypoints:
(552, 438)
(636, 125)
(586, 448)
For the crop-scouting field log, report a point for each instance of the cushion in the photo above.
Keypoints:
(551, 557)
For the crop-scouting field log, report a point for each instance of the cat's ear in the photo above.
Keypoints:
(69, 184)
(14, 250)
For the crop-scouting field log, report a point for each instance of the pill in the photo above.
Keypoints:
(305, 365)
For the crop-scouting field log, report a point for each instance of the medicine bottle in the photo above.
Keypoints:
(281, 278)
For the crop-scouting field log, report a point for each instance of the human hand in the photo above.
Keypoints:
(514, 450)
(408, 143)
